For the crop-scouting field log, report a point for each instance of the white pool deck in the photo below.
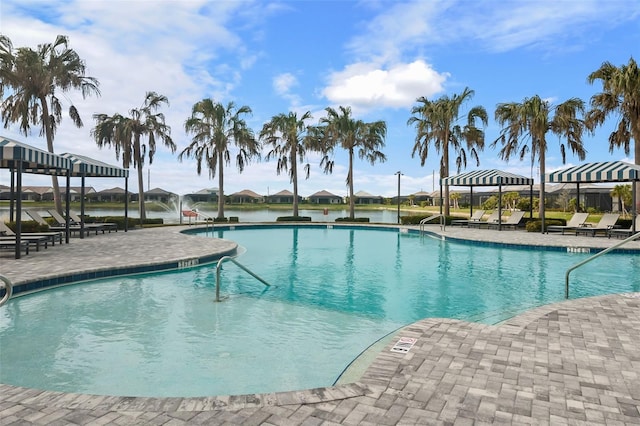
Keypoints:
(574, 362)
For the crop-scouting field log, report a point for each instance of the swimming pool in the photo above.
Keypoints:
(336, 290)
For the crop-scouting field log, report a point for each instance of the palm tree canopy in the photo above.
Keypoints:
(285, 133)
(215, 127)
(32, 77)
(437, 122)
(620, 95)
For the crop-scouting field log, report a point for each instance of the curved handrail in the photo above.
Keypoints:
(430, 218)
(241, 266)
(589, 259)
(8, 289)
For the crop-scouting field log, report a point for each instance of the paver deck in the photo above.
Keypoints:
(574, 362)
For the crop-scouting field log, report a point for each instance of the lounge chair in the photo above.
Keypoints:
(576, 221)
(512, 221)
(108, 226)
(624, 233)
(607, 222)
(61, 228)
(9, 238)
(10, 243)
(89, 227)
(477, 216)
(52, 237)
(493, 218)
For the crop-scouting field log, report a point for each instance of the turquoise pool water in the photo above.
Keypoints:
(335, 292)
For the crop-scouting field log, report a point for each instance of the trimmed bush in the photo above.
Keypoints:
(415, 220)
(293, 219)
(220, 220)
(234, 219)
(28, 226)
(536, 224)
(355, 219)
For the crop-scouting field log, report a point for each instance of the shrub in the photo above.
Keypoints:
(355, 219)
(536, 224)
(415, 219)
(28, 226)
(293, 219)
(234, 219)
(220, 220)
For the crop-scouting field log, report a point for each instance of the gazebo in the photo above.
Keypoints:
(84, 167)
(20, 158)
(607, 171)
(488, 178)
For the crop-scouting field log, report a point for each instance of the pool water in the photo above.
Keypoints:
(334, 292)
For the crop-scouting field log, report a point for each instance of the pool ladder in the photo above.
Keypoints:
(241, 266)
(8, 289)
(589, 259)
(431, 218)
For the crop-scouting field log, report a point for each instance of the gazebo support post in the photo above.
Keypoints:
(578, 209)
(500, 205)
(67, 200)
(471, 201)
(126, 202)
(12, 194)
(635, 204)
(82, 206)
(18, 208)
(531, 200)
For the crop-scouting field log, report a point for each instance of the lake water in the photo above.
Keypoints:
(266, 215)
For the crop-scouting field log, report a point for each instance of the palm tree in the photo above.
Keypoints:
(125, 134)
(620, 95)
(437, 122)
(214, 128)
(33, 78)
(340, 128)
(285, 133)
(623, 194)
(525, 126)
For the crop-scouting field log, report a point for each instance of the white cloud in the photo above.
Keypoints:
(366, 85)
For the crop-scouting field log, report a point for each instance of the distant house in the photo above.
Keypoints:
(113, 195)
(29, 193)
(246, 196)
(421, 196)
(74, 192)
(207, 195)
(362, 197)
(282, 197)
(159, 194)
(325, 197)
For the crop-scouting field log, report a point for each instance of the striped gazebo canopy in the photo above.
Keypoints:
(32, 160)
(486, 178)
(607, 171)
(85, 166)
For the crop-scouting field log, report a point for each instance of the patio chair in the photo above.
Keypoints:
(108, 226)
(52, 237)
(493, 218)
(624, 233)
(475, 217)
(60, 228)
(607, 222)
(576, 221)
(512, 221)
(87, 226)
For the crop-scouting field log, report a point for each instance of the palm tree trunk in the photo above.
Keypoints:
(636, 149)
(352, 203)
(445, 174)
(49, 134)
(294, 178)
(138, 160)
(220, 188)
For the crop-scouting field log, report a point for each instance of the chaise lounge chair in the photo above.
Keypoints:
(576, 221)
(512, 221)
(88, 227)
(61, 228)
(50, 237)
(624, 233)
(607, 222)
(108, 226)
(476, 217)
(493, 218)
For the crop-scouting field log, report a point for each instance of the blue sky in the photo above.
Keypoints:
(376, 56)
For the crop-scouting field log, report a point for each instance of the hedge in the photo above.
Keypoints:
(415, 220)
(355, 219)
(536, 224)
(293, 219)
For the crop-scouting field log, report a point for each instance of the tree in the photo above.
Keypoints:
(33, 79)
(214, 128)
(286, 134)
(621, 96)
(455, 197)
(437, 122)
(339, 128)
(623, 194)
(126, 133)
(525, 126)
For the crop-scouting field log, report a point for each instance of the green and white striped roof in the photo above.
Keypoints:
(608, 171)
(85, 166)
(486, 178)
(34, 160)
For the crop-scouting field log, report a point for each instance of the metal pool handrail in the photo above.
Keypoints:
(241, 266)
(430, 218)
(589, 259)
(8, 286)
